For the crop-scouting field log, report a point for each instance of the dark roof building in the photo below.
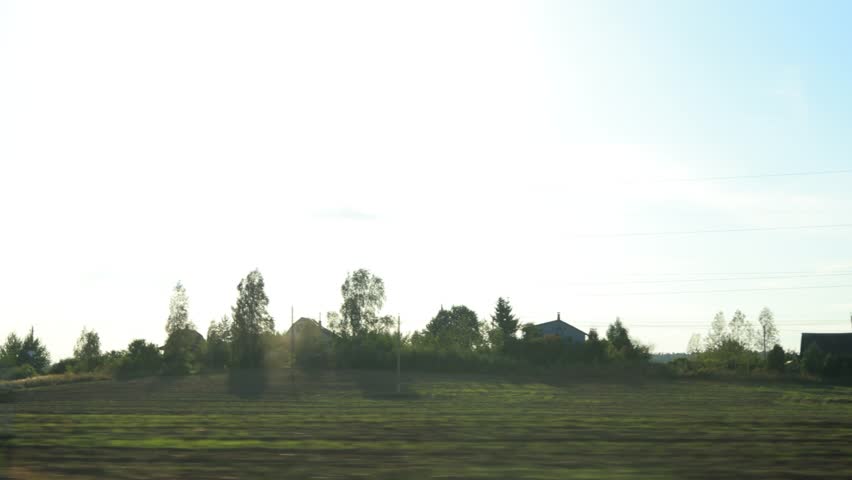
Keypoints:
(834, 343)
(308, 327)
(567, 332)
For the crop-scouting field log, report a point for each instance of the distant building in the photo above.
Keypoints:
(839, 344)
(309, 328)
(567, 332)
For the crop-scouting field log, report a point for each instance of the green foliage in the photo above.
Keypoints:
(10, 351)
(219, 344)
(504, 319)
(183, 353)
(142, 359)
(776, 358)
(363, 298)
(618, 336)
(767, 333)
(179, 311)
(87, 351)
(530, 332)
(741, 331)
(717, 333)
(250, 321)
(33, 352)
(456, 329)
(66, 365)
(19, 372)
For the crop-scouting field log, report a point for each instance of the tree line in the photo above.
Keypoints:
(358, 335)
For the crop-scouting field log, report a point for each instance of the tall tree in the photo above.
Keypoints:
(694, 345)
(618, 336)
(179, 311)
(457, 328)
(741, 330)
(250, 320)
(716, 337)
(363, 298)
(768, 334)
(10, 351)
(87, 351)
(504, 319)
(34, 353)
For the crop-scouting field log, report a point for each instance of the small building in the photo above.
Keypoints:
(308, 328)
(838, 344)
(566, 331)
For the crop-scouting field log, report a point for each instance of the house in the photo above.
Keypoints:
(308, 328)
(567, 332)
(838, 344)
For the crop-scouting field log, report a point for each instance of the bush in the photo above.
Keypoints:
(775, 359)
(142, 359)
(20, 372)
(66, 365)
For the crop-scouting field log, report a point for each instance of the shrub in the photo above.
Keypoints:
(66, 365)
(776, 358)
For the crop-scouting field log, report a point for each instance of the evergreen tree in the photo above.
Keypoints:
(250, 321)
(33, 353)
(504, 319)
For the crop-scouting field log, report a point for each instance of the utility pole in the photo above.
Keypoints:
(398, 348)
(292, 347)
(764, 342)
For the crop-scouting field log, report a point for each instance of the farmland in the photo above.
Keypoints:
(352, 424)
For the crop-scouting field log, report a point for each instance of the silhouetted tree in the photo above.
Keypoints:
(741, 330)
(694, 346)
(504, 319)
(219, 343)
(767, 334)
(250, 320)
(142, 358)
(184, 352)
(10, 351)
(87, 351)
(363, 297)
(618, 336)
(775, 359)
(717, 333)
(179, 311)
(456, 328)
(33, 353)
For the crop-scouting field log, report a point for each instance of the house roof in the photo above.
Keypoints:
(559, 321)
(836, 343)
(305, 322)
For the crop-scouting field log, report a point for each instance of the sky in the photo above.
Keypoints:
(575, 157)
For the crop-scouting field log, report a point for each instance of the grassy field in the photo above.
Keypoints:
(350, 424)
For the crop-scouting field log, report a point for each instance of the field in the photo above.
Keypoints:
(352, 424)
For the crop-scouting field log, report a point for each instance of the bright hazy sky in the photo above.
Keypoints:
(460, 150)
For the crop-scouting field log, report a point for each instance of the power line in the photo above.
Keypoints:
(714, 230)
(688, 280)
(811, 287)
(745, 177)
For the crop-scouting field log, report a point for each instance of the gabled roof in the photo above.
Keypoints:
(836, 343)
(559, 321)
(305, 322)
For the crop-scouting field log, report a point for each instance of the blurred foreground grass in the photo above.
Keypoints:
(352, 424)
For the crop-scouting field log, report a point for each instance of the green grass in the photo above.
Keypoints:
(351, 424)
